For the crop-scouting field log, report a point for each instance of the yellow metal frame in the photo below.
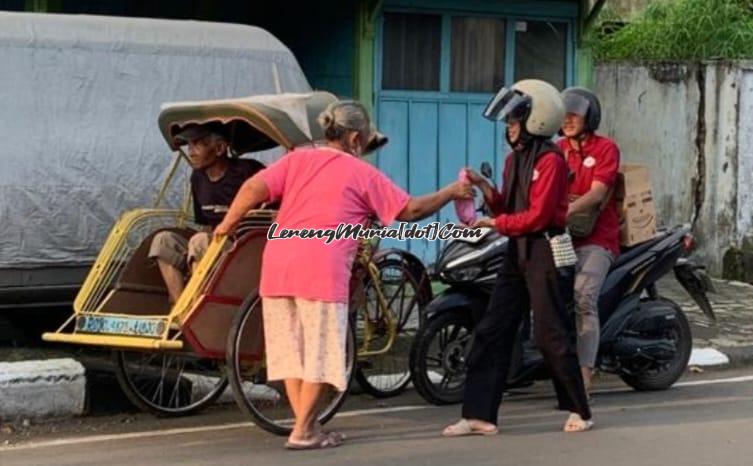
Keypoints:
(384, 312)
(114, 341)
(112, 255)
(101, 274)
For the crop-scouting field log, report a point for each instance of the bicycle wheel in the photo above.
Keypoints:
(387, 373)
(169, 384)
(266, 402)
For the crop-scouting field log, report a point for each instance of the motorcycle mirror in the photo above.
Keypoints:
(486, 170)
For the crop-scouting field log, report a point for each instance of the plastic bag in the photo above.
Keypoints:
(465, 208)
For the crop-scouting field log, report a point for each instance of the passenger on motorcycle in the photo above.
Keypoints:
(594, 161)
(531, 209)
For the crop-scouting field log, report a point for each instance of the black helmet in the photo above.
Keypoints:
(583, 102)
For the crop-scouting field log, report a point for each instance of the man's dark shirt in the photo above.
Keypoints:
(211, 199)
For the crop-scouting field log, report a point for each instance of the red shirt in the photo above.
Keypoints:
(598, 160)
(547, 204)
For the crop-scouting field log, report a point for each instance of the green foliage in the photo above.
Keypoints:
(680, 30)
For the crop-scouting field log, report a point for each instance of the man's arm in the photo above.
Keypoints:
(605, 176)
(591, 200)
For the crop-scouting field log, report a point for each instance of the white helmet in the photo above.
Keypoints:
(537, 104)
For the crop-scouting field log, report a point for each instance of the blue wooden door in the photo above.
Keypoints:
(435, 74)
(430, 141)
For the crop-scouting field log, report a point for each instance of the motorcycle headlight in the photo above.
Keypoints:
(466, 274)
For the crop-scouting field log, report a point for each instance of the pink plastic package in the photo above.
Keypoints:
(465, 208)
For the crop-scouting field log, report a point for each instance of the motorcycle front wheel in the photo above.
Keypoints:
(437, 358)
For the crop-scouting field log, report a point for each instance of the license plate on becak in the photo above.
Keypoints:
(120, 326)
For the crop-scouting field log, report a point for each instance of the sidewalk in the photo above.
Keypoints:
(732, 334)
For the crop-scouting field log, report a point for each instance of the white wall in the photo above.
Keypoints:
(698, 172)
(745, 154)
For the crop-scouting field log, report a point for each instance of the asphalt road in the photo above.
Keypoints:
(706, 420)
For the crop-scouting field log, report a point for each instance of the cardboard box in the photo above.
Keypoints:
(636, 206)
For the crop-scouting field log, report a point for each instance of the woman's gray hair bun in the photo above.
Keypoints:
(343, 116)
(327, 118)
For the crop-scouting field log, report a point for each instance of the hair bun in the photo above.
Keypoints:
(327, 118)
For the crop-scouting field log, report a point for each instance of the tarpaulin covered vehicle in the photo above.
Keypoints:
(77, 107)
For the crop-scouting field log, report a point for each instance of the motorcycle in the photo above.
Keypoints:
(645, 338)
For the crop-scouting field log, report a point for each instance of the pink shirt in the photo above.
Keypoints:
(321, 188)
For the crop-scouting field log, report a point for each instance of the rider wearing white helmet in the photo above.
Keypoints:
(531, 208)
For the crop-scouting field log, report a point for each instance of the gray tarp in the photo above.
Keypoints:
(79, 100)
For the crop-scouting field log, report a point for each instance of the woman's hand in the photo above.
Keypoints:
(474, 177)
(485, 222)
(487, 190)
(223, 229)
(570, 210)
(461, 190)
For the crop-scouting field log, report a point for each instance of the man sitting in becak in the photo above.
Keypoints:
(215, 180)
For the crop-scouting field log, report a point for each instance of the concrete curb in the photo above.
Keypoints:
(739, 356)
(42, 389)
(57, 388)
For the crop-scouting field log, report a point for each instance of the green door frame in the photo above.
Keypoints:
(367, 12)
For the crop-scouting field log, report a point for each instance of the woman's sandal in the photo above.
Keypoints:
(463, 428)
(339, 436)
(575, 423)
(320, 441)
(336, 436)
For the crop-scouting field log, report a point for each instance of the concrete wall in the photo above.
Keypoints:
(745, 154)
(692, 125)
(716, 224)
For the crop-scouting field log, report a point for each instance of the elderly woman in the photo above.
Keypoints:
(305, 282)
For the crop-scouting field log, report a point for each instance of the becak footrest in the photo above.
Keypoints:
(113, 341)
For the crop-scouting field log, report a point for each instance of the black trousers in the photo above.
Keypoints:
(528, 281)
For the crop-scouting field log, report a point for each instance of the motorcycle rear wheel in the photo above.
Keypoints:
(664, 376)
